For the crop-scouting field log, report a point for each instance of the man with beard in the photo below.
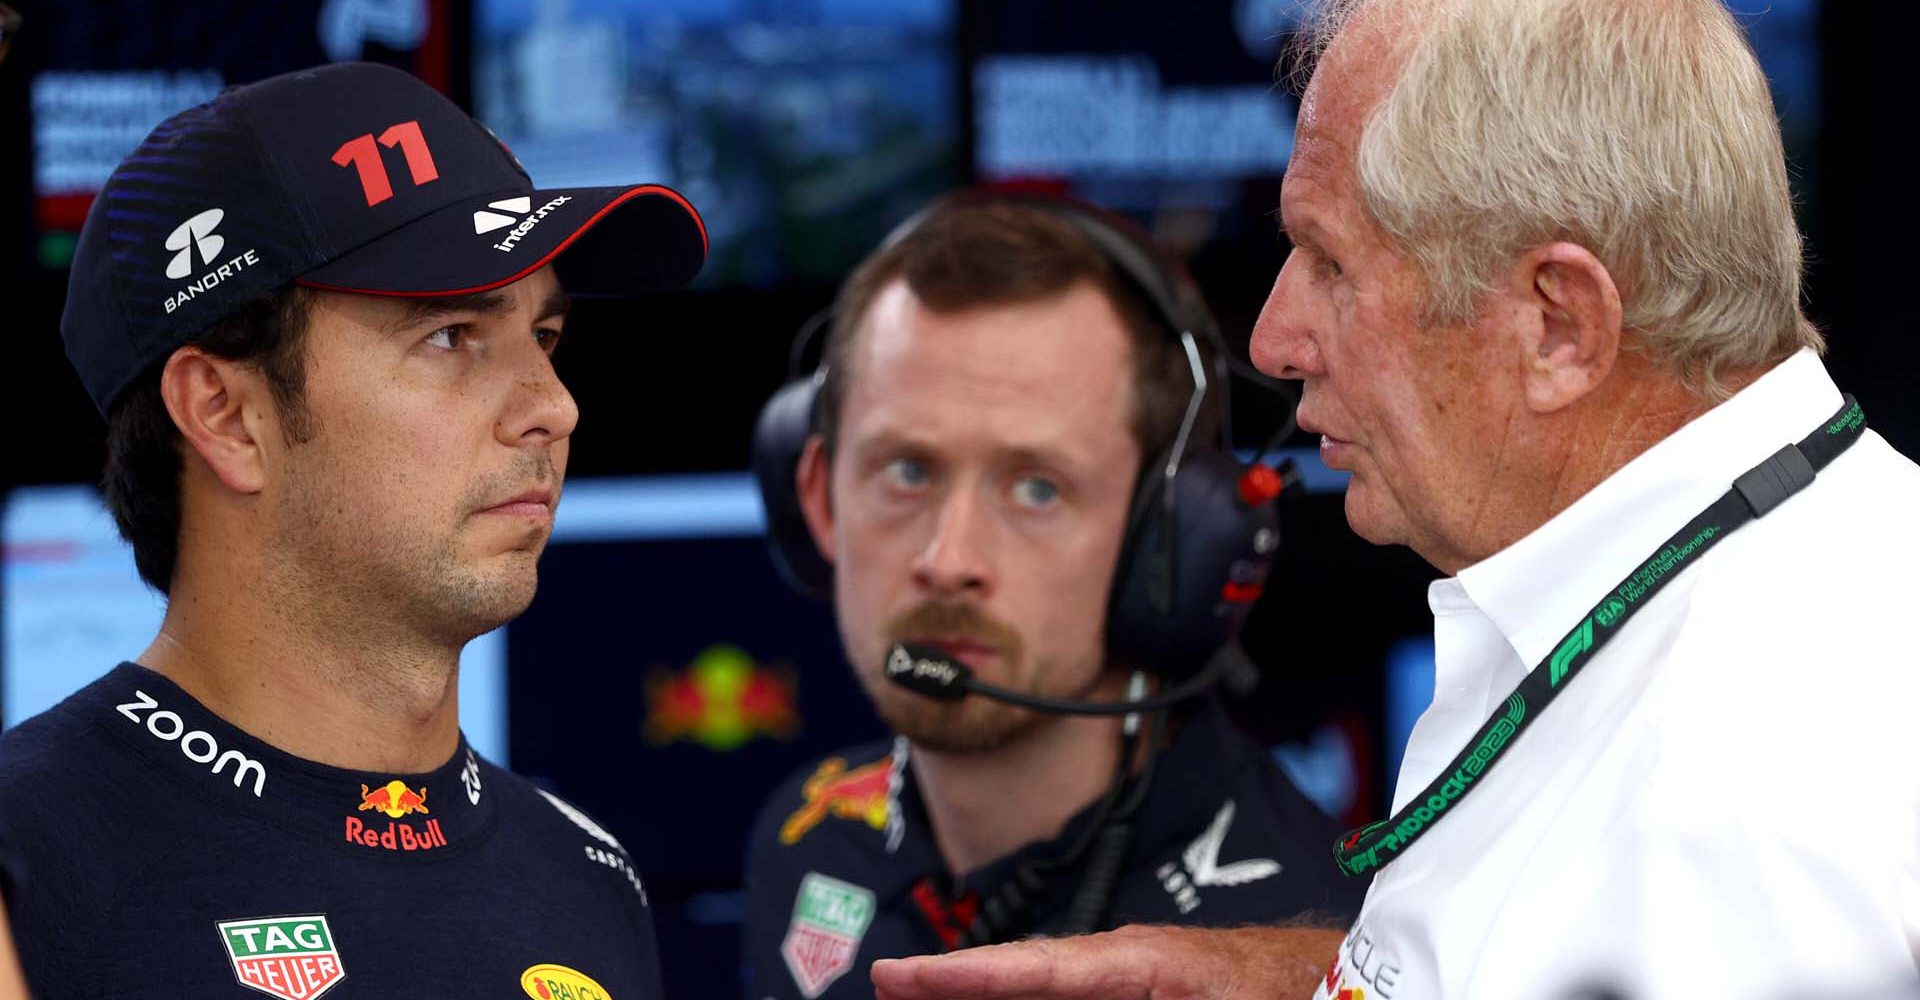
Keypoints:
(318, 313)
(999, 385)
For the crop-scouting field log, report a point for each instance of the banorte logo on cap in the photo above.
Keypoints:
(197, 233)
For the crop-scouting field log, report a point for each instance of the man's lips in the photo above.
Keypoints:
(972, 652)
(1333, 450)
(536, 503)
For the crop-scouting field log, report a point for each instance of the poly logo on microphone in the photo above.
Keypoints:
(195, 232)
(926, 671)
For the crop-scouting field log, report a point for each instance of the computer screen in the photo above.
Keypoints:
(105, 72)
(803, 129)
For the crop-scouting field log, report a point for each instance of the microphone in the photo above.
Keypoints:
(928, 670)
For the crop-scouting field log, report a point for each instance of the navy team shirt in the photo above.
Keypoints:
(843, 869)
(149, 849)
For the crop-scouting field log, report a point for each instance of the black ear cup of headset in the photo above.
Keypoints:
(779, 436)
(1199, 542)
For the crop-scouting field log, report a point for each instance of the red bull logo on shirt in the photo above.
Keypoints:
(396, 800)
(863, 793)
(720, 701)
(288, 957)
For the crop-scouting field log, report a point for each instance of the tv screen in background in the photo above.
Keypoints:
(1176, 112)
(105, 72)
(803, 130)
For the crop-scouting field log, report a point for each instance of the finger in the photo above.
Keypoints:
(1081, 968)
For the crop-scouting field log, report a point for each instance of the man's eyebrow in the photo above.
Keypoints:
(420, 310)
(486, 303)
(555, 307)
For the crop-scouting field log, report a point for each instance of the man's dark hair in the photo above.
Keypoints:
(142, 479)
(970, 252)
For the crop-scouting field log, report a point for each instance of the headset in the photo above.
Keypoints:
(1201, 530)
(1200, 535)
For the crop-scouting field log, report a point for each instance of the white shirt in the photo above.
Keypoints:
(1725, 801)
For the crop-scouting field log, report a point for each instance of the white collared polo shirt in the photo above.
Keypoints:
(1724, 802)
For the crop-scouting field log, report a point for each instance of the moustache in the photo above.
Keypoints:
(955, 621)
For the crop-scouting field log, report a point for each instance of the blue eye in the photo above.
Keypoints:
(1035, 492)
(907, 473)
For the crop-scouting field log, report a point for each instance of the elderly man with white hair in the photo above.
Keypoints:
(1544, 301)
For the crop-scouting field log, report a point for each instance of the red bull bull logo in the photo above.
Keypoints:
(396, 800)
(862, 793)
(720, 701)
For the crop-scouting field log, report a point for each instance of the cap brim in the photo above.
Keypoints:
(603, 241)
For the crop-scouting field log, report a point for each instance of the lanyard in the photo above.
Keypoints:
(1760, 490)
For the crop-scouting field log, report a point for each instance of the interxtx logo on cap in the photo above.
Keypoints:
(195, 233)
(288, 957)
(486, 222)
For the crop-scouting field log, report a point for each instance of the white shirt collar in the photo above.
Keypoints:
(1536, 589)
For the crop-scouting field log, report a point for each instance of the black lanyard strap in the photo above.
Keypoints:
(1760, 490)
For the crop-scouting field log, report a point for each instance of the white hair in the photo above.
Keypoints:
(1641, 130)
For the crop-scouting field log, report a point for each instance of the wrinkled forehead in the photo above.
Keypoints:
(1357, 70)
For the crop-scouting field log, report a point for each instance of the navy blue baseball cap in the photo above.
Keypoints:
(350, 177)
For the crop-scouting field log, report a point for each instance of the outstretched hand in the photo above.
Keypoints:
(1132, 963)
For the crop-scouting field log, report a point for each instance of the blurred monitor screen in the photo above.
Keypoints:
(1180, 114)
(801, 129)
(105, 72)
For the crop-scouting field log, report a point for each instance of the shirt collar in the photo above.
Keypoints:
(1191, 778)
(393, 815)
(1537, 588)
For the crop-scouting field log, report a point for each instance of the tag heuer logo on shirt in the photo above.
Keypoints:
(288, 957)
(829, 919)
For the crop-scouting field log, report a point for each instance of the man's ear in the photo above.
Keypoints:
(222, 409)
(1570, 326)
(813, 481)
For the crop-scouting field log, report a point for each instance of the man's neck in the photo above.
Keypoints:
(331, 691)
(985, 806)
(1637, 410)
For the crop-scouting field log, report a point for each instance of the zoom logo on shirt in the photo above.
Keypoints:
(197, 745)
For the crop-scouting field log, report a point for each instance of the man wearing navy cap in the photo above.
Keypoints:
(318, 314)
